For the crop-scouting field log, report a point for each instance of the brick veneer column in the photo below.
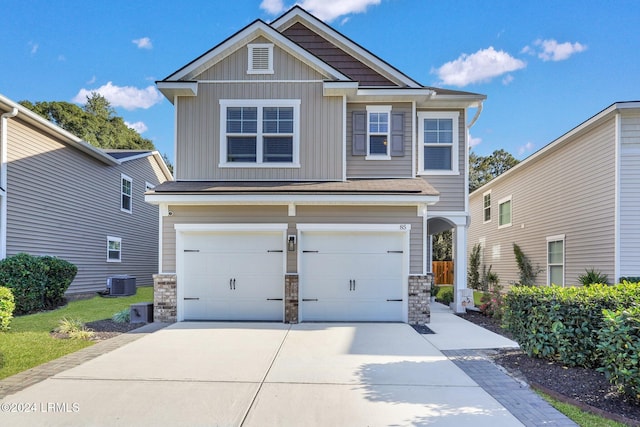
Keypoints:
(291, 298)
(165, 298)
(419, 297)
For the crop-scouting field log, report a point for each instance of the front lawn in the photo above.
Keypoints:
(28, 343)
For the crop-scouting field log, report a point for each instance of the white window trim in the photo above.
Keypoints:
(114, 239)
(250, 48)
(124, 177)
(455, 146)
(259, 104)
(500, 202)
(485, 221)
(379, 109)
(557, 238)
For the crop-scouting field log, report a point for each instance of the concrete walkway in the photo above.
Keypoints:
(270, 374)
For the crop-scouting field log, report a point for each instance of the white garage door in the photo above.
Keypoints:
(232, 275)
(351, 276)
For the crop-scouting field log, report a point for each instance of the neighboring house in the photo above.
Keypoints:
(573, 205)
(309, 177)
(61, 196)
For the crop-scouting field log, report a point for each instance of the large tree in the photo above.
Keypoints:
(483, 169)
(95, 123)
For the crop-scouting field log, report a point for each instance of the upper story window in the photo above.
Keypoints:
(555, 260)
(262, 133)
(486, 207)
(260, 58)
(126, 202)
(504, 212)
(438, 142)
(378, 133)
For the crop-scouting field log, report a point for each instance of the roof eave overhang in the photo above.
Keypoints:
(288, 199)
(171, 89)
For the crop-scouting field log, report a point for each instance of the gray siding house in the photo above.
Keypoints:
(573, 205)
(310, 175)
(61, 196)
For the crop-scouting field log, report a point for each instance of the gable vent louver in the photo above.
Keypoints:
(260, 59)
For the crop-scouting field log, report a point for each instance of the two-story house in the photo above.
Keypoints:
(310, 175)
(63, 197)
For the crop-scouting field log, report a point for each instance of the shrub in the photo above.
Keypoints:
(562, 323)
(528, 273)
(630, 279)
(74, 329)
(26, 275)
(122, 316)
(493, 301)
(60, 275)
(473, 275)
(620, 348)
(592, 277)
(7, 305)
(445, 295)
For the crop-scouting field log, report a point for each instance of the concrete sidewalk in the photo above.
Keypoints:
(271, 374)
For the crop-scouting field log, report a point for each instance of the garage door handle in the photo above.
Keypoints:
(275, 250)
(395, 252)
(309, 299)
(274, 299)
(397, 300)
(232, 284)
(309, 252)
(191, 299)
(192, 250)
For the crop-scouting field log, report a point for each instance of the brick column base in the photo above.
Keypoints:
(291, 298)
(165, 298)
(419, 297)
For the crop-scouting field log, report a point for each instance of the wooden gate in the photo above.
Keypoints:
(442, 272)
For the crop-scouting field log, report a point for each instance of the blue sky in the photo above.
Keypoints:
(545, 66)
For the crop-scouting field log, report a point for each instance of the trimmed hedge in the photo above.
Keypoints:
(37, 283)
(445, 295)
(7, 305)
(563, 323)
(619, 346)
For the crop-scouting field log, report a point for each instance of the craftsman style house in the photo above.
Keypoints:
(63, 197)
(310, 175)
(572, 206)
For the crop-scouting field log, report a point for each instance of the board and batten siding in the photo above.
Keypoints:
(630, 196)
(396, 166)
(64, 203)
(198, 121)
(569, 191)
(451, 187)
(304, 215)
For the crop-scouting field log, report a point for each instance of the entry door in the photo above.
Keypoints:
(233, 276)
(351, 276)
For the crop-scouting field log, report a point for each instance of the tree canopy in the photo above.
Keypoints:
(483, 169)
(96, 123)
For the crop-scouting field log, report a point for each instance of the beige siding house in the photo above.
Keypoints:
(310, 175)
(63, 197)
(572, 206)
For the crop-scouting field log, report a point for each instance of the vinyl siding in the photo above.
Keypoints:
(304, 215)
(396, 167)
(198, 127)
(451, 187)
(61, 202)
(630, 196)
(569, 190)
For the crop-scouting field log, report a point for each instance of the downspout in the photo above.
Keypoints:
(4, 119)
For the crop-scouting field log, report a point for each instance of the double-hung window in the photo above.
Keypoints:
(555, 260)
(504, 212)
(486, 206)
(262, 133)
(126, 193)
(114, 249)
(378, 131)
(438, 142)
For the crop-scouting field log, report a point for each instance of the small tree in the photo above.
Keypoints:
(473, 275)
(527, 273)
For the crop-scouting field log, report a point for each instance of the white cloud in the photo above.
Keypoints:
(139, 127)
(551, 50)
(507, 79)
(92, 81)
(529, 146)
(473, 142)
(143, 43)
(33, 47)
(272, 6)
(325, 10)
(127, 97)
(481, 66)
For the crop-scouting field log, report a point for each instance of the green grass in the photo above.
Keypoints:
(28, 343)
(580, 417)
(477, 298)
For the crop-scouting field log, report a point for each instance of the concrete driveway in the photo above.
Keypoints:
(263, 374)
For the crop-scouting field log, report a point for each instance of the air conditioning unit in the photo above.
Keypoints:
(122, 285)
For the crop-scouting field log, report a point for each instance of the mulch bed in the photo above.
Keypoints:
(585, 388)
(105, 329)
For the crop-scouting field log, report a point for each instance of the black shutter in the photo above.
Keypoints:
(397, 134)
(359, 124)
